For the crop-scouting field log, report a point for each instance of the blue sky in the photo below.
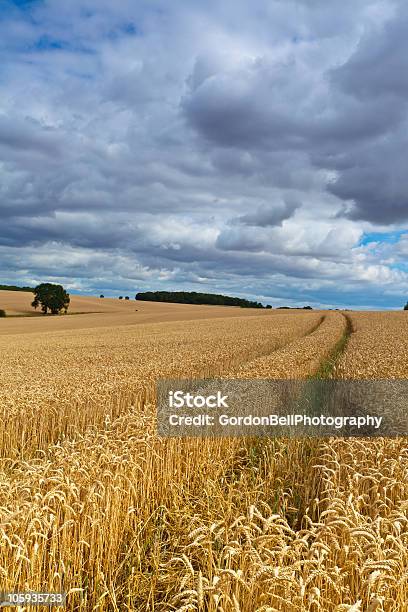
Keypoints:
(393, 237)
(255, 149)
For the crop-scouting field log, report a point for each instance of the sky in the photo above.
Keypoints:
(251, 148)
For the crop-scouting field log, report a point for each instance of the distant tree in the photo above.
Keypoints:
(406, 306)
(307, 308)
(268, 306)
(121, 297)
(101, 296)
(127, 297)
(2, 313)
(51, 297)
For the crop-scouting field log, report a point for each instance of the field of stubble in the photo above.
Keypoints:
(94, 503)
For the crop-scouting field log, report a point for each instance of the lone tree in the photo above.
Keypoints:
(51, 297)
(406, 306)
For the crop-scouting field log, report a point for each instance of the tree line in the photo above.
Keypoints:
(15, 288)
(192, 297)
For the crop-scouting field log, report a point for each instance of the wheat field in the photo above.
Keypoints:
(93, 502)
(94, 312)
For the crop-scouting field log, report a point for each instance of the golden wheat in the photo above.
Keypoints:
(87, 489)
(54, 385)
(93, 502)
(302, 357)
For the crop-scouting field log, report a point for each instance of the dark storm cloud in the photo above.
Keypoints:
(372, 175)
(276, 107)
(375, 187)
(354, 122)
(245, 108)
(379, 67)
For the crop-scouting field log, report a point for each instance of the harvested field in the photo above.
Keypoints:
(92, 501)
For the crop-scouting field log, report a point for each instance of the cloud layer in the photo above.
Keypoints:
(224, 147)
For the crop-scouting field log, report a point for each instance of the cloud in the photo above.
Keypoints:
(27, 134)
(379, 66)
(217, 146)
(265, 216)
(373, 187)
(371, 175)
